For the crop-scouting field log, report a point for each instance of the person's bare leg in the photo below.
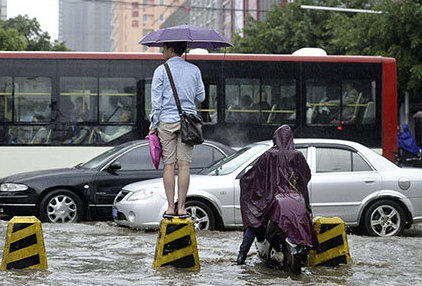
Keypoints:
(169, 185)
(182, 185)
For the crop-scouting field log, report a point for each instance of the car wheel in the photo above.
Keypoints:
(201, 215)
(61, 206)
(384, 218)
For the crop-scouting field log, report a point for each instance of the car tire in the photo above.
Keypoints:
(201, 215)
(384, 218)
(61, 206)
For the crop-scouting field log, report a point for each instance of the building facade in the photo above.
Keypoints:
(3, 10)
(132, 20)
(228, 16)
(85, 25)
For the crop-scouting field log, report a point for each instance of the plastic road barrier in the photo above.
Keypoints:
(24, 248)
(176, 244)
(333, 243)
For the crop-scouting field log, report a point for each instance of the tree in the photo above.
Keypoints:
(24, 34)
(397, 32)
(284, 30)
(11, 40)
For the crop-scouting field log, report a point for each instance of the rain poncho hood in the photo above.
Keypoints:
(407, 141)
(275, 188)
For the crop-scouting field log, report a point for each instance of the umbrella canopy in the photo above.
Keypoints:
(196, 37)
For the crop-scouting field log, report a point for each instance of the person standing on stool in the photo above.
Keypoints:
(165, 120)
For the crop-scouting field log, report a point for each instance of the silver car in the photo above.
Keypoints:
(349, 180)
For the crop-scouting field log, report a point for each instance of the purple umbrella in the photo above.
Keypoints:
(196, 37)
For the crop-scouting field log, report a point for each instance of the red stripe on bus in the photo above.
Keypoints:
(223, 57)
(389, 108)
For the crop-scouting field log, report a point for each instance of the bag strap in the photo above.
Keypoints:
(173, 87)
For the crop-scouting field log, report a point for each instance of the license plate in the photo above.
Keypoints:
(114, 212)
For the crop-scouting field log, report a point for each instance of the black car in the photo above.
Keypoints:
(87, 191)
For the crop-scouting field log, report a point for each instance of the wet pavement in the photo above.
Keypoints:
(101, 253)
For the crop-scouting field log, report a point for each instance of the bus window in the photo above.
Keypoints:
(147, 98)
(239, 100)
(78, 99)
(32, 95)
(110, 133)
(208, 108)
(322, 101)
(117, 95)
(345, 102)
(368, 103)
(5, 108)
(6, 99)
(281, 94)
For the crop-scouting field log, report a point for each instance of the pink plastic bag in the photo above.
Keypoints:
(154, 149)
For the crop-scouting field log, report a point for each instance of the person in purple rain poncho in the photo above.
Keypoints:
(275, 189)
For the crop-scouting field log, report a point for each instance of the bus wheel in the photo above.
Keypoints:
(201, 215)
(60, 206)
(384, 218)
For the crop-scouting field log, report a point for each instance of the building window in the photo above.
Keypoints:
(135, 14)
(162, 18)
(135, 5)
(161, 2)
(135, 23)
(146, 18)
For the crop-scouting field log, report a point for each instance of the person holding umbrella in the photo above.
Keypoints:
(165, 120)
(164, 116)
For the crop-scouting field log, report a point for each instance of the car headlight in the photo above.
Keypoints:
(143, 194)
(11, 187)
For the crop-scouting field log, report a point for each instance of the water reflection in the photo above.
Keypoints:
(101, 253)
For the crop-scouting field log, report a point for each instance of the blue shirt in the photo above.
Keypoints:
(188, 81)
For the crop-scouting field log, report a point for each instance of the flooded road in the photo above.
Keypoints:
(101, 253)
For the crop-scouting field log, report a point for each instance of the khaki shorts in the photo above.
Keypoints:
(171, 143)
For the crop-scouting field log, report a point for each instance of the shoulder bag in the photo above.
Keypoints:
(190, 124)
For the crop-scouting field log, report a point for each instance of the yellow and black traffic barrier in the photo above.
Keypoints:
(333, 248)
(176, 244)
(24, 248)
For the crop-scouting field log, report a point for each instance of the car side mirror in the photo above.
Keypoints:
(114, 166)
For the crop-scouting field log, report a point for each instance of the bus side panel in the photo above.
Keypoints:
(389, 109)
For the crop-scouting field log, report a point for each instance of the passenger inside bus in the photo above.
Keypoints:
(260, 103)
(328, 109)
(80, 134)
(350, 99)
(125, 117)
(112, 114)
(240, 113)
(41, 132)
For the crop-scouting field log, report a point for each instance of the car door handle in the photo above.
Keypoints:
(369, 180)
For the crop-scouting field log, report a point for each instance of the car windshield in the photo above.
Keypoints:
(228, 165)
(100, 159)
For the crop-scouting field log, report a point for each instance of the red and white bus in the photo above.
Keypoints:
(47, 99)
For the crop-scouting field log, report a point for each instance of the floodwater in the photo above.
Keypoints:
(101, 253)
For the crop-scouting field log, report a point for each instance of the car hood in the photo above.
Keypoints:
(44, 174)
(197, 182)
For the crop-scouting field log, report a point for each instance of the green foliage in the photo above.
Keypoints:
(284, 30)
(24, 34)
(397, 32)
(11, 40)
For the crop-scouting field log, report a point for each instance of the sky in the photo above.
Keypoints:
(46, 12)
